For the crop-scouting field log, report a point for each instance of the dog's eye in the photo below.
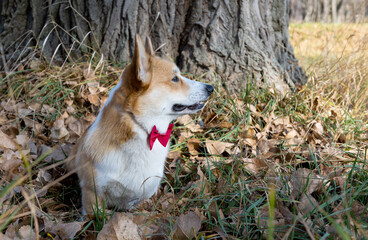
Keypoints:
(175, 79)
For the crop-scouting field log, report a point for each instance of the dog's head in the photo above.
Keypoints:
(155, 86)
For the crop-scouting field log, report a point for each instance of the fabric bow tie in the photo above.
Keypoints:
(162, 138)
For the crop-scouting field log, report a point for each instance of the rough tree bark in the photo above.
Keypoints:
(233, 39)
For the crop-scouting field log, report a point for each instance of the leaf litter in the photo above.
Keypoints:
(217, 174)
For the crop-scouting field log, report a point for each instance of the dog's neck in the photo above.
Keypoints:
(146, 125)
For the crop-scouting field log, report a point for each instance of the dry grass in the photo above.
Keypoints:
(335, 57)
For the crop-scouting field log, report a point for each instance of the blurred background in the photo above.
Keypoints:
(329, 10)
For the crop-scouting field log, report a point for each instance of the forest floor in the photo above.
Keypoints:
(249, 166)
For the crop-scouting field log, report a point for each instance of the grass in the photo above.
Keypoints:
(292, 167)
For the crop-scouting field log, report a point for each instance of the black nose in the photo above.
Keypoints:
(209, 89)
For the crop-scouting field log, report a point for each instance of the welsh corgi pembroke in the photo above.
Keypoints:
(122, 155)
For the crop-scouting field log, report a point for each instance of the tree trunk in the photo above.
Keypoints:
(334, 10)
(236, 39)
(326, 10)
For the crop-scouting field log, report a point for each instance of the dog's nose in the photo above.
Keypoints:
(209, 89)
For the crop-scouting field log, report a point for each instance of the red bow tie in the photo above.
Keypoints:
(162, 138)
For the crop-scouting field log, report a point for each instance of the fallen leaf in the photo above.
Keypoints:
(94, 99)
(254, 165)
(120, 227)
(250, 142)
(6, 142)
(307, 203)
(194, 145)
(188, 122)
(47, 110)
(4, 237)
(59, 131)
(26, 232)
(201, 185)
(217, 147)
(291, 134)
(263, 146)
(184, 120)
(9, 160)
(23, 112)
(304, 181)
(318, 129)
(187, 226)
(22, 140)
(35, 106)
(63, 230)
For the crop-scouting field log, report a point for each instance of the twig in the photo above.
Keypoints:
(4, 59)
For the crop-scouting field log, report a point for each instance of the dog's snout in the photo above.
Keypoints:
(209, 89)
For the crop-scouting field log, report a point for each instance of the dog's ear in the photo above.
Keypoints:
(141, 59)
(149, 48)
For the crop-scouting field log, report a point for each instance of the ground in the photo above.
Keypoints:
(249, 166)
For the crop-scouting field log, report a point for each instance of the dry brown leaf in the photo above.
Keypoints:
(76, 126)
(22, 140)
(63, 230)
(90, 117)
(6, 142)
(283, 121)
(254, 165)
(47, 110)
(248, 132)
(307, 204)
(187, 226)
(217, 147)
(250, 142)
(291, 134)
(26, 232)
(57, 154)
(9, 160)
(70, 109)
(35, 106)
(43, 176)
(3, 118)
(34, 125)
(94, 99)
(23, 112)
(188, 122)
(59, 131)
(280, 220)
(4, 237)
(174, 155)
(263, 146)
(318, 129)
(147, 227)
(9, 106)
(13, 233)
(303, 180)
(120, 227)
(201, 185)
(194, 145)
(184, 120)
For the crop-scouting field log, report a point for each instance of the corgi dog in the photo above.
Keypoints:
(121, 157)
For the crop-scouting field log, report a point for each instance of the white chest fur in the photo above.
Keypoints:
(132, 173)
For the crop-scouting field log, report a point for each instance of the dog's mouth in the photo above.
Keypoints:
(193, 107)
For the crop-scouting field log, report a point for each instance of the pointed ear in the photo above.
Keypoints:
(141, 60)
(149, 48)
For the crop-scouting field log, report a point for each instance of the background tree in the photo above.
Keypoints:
(329, 10)
(237, 39)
